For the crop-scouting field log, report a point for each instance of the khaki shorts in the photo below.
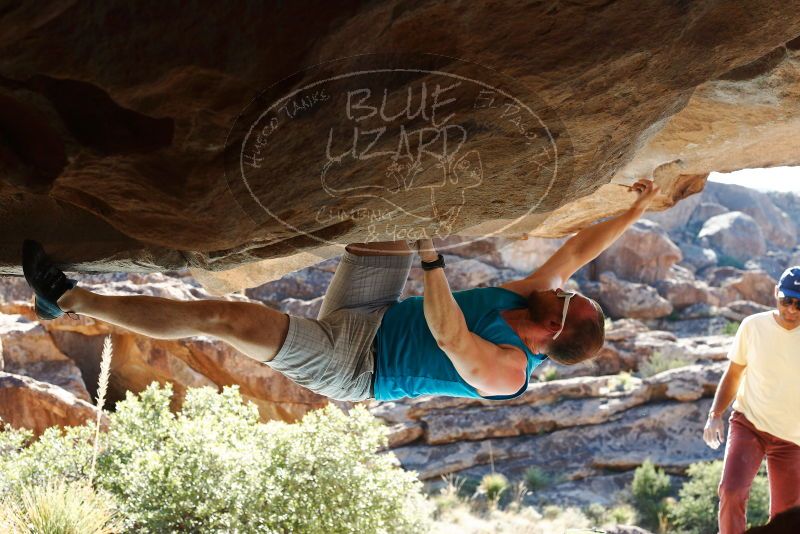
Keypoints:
(334, 354)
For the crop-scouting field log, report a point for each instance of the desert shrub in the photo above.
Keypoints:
(658, 362)
(519, 490)
(621, 382)
(551, 511)
(448, 497)
(596, 513)
(469, 486)
(622, 514)
(649, 489)
(599, 515)
(730, 328)
(493, 485)
(550, 374)
(214, 468)
(536, 479)
(58, 507)
(698, 501)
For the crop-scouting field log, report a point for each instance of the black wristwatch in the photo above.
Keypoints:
(435, 264)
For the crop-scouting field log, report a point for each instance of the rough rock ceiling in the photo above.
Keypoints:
(122, 129)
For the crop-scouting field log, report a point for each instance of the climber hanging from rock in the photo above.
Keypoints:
(365, 343)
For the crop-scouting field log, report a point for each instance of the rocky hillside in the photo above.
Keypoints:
(674, 287)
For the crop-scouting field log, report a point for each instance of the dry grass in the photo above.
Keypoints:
(102, 389)
(59, 508)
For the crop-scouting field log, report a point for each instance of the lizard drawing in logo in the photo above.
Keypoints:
(402, 173)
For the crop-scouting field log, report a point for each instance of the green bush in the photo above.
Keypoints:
(536, 479)
(650, 488)
(214, 468)
(730, 328)
(550, 374)
(493, 485)
(621, 515)
(600, 516)
(658, 362)
(696, 510)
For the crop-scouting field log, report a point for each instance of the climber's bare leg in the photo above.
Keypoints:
(380, 248)
(253, 329)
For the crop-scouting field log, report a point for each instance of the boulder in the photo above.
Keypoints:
(734, 235)
(668, 433)
(644, 253)
(684, 293)
(686, 384)
(739, 309)
(524, 254)
(774, 262)
(704, 211)
(14, 289)
(620, 298)
(676, 219)
(403, 433)
(696, 257)
(623, 329)
(461, 273)
(756, 286)
(699, 310)
(305, 284)
(777, 227)
(29, 403)
(29, 350)
(717, 276)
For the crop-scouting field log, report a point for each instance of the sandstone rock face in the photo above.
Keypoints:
(627, 299)
(739, 309)
(778, 228)
(29, 403)
(131, 151)
(667, 433)
(55, 351)
(756, 286)
(684, 293)
(704, 211)
(28, 349)
(644, 253)
(697, 258)
(734, 234)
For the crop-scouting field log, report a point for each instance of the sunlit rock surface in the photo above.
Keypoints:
(117, 160)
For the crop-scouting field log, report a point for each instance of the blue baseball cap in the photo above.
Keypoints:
(789, 284)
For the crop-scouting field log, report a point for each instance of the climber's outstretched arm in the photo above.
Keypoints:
(587, 244)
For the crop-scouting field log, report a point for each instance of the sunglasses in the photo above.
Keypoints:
(566, 295)
(789, 301)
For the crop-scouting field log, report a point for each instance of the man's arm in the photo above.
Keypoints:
(590, 242)
(491, 369)
(714, 431)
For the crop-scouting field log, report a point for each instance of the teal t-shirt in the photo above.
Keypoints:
(408, 361)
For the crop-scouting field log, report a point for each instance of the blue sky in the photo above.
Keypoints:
(772, 179)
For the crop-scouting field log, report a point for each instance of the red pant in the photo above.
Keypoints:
(744, 451)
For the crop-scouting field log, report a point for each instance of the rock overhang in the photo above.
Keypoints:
(122, 165)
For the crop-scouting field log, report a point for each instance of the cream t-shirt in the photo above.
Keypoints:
(769, 393)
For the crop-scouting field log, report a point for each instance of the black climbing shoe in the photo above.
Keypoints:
(47, 281)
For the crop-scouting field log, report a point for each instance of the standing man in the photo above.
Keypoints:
(763, 377)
